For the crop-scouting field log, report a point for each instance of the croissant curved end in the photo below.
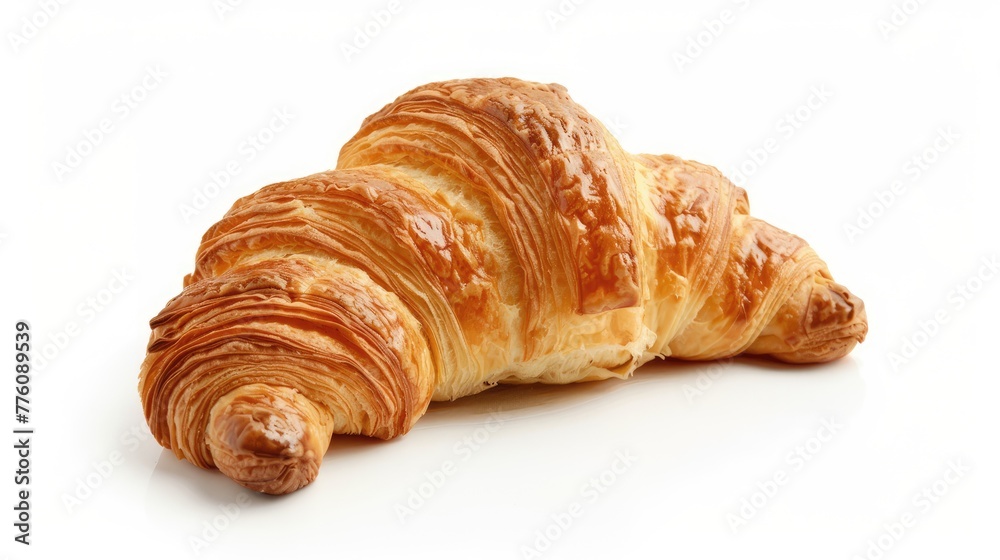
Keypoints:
(267, 438)
(836, 321)
(822, 321)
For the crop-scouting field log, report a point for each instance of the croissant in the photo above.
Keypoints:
(475, 232)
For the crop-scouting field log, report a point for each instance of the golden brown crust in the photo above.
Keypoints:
(322, 330)
(555, 184)
(268, 438)
(820, 322)
(476, 232)
(394, 230)
(753, 287)
(690, 226)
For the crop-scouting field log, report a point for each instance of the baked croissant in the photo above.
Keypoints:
(475, 232)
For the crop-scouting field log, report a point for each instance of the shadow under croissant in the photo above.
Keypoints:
(756, 381)
(732, 398)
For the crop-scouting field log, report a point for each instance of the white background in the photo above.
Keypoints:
(704, 437)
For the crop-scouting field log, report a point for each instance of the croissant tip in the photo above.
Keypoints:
(266, 439)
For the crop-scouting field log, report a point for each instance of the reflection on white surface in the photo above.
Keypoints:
(499, 463)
